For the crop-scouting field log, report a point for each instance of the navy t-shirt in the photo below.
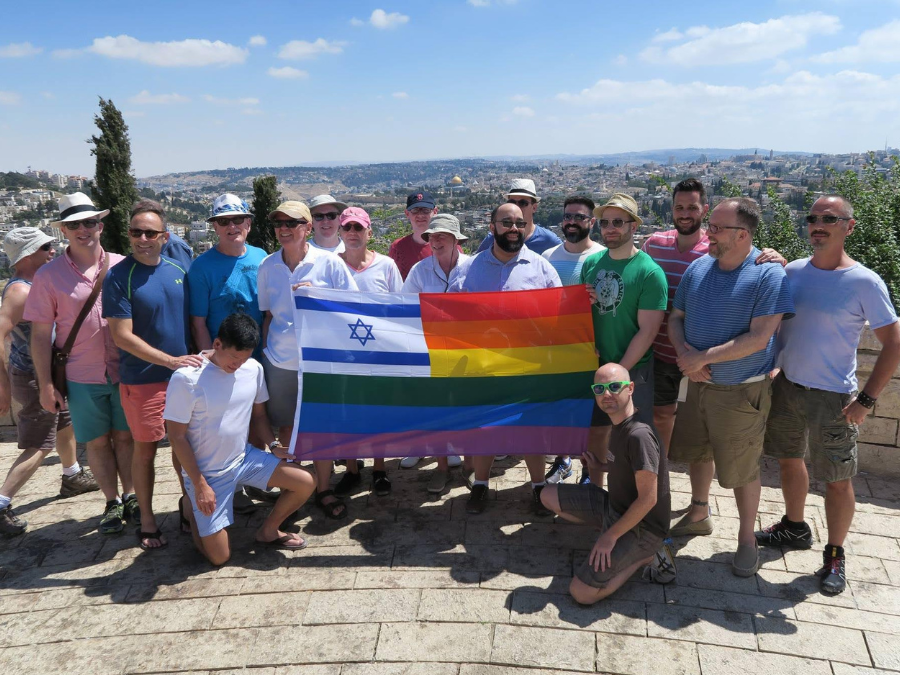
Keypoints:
(178, 250)
(156, 301)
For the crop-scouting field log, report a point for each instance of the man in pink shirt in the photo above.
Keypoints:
(58, 293)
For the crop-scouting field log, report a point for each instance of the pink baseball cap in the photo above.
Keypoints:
(354, 214)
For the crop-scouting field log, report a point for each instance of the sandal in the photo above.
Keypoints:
(347, 482)
(185, 524)
(287, 542)
(335, 510)
(381, 483)
(150, 535)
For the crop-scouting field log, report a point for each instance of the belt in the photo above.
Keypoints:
(804, 387)
(757, 378)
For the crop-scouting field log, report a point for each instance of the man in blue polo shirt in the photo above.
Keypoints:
(724, 317)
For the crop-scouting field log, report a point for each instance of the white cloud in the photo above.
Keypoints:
(288, 73)
(128, 114)
(9, 98)
(258, 41)
(523, 111)
(146, 98)
(49, 95)
(741, 42)
(18, 50)
(357, 22)
(298, 50)
(670, 35)
(180, 53)
(879, 45)
(400, 94)
(382, 20)
(620, 60)
(230, 101)
(520, 98)
(67, 53)
(488, 3)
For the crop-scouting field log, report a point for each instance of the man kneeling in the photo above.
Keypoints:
(210, 409)
(633, 515)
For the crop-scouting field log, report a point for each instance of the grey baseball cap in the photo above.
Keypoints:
(322, 200)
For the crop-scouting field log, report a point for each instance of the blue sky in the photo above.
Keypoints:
(272, 83)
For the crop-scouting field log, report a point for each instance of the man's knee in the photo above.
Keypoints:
(584, 594)
(550, 498)
(840, 487)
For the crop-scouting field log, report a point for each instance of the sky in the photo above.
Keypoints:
(211, 85)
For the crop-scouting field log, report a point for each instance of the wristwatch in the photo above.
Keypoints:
(865, 400)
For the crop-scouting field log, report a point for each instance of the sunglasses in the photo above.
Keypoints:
(319, 217)
(287, 223)
(577, 217)
(615, 222)
(613, 387)
(356, 227)
(46, 247)
(236, 220)
(137, 233)
(509, 224)
(521, 203)
(89, 224)
(826, 220)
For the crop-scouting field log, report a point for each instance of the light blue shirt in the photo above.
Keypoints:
(484, 272)
(817, 348)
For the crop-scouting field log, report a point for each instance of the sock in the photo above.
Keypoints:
(479, 482)
(4, 501)
(794, 525)
(127, 496)
(71, 470)
(835, 551)
(537, 485)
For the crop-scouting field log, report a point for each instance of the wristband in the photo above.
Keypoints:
(865, 400)
(273, 444)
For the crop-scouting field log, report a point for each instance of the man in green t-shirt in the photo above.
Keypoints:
(630, 292)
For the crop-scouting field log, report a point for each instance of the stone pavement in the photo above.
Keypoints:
(411, 585)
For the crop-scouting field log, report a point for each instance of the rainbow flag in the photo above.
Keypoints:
(394, 375)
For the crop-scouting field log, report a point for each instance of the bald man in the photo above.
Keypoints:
(633, 516)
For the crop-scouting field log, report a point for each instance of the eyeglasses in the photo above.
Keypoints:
(235, 220)
(319, 217)
(715, 229)
(826, 220)
(577, 217)
(509, 223)
(292, 223)
(615, 222)
(521, 203)
(613, 387)
(136, 233)
(356, 227)
(46, 247)
(89, 224)
(420, 211)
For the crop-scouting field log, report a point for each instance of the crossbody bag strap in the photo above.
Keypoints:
(92, 298)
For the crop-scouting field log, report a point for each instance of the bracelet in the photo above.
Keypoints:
(273, 444)
(865, 400)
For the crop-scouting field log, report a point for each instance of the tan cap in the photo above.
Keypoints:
(296, 210)
(621, 201)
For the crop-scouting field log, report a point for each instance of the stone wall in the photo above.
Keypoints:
(879, 450)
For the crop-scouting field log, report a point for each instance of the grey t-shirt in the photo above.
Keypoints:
(634, 447)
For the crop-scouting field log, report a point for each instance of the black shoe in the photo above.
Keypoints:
(477, 499)
(271, 496)
(131, 510)
(242, 504)
(10, 524)
(783, 534)
(113, 520)
(347, 483)
(537, 506)
(833, 572)
(381, 484)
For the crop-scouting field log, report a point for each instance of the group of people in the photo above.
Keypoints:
(755, 355)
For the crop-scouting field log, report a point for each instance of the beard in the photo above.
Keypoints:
(574, 233)
(690, 229)
(510, 245)
(616, 243)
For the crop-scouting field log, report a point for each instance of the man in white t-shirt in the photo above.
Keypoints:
(210, 410)
(326, 211)
(567, 259)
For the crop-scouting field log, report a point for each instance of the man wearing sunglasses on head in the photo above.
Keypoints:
(326, 213)
(633, 515)
(523, 194)
(59, 292)
(816, 401)
(145, 302)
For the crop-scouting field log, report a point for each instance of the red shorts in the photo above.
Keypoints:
(143, 405)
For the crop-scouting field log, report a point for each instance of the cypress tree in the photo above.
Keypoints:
(265, 200)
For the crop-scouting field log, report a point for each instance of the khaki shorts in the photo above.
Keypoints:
(802, 417)
(725, 423)
(590, 504)
(35, 426)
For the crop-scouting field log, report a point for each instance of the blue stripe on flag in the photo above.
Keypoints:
(382, 358)
(363, 308)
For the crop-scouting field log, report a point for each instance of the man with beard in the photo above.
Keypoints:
(629, 294)
(523, 194)
(724, 317)
(567, 259)
(814, 401)
(508, 265)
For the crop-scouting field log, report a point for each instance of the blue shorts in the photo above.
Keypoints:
(255, 470)
(95, 409)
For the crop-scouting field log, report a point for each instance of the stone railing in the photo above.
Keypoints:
(879, 450)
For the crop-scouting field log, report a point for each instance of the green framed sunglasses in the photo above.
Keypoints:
(614, 387)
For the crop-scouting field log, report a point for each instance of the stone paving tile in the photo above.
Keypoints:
(270, 609)
(511, 582)
(449, 642)
(20, 629)
(561, 611)
(400, 669)
(893, 571)
(877, 524)
(483, 669)
(730, 602)
(713, 549)
(862, 568)
(800, 588)
(539, 560)
(325, 669)
(632, 656)
(289, 645)
(464, 606)
(300, 580)
(885, 548)
(493, 533)
(848, 618)
(718, 576)
(356, 558)
(71, 658)
(459, 557)
(192, 588)
(418, 579)
(726, 661)
(218, 649)
(876, 597)
(730, 629)
(543, 648)
(813, 640)
(885, 650)
(846, 669)
(363, 606)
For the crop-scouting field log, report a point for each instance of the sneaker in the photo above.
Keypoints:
(113, 520)
(409, 462)
(131, 510)
(783, 534)
(271, 496)
(746, 560)
(585, 478)
(537, 506)
(470, 478)
(438, 482)
(500, 458)
(685, 527)
(477, 499)
(381, 484)
(81, 482)
(454, 461)
(662, 569)
(242, 504)
(10, 524)
(833, 572)
(559, 471)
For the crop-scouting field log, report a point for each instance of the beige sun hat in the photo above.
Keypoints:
(621, 201)
(444, 222)
(21, 242)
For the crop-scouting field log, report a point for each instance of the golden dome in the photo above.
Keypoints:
(456, 180)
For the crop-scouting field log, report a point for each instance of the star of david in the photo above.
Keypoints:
(355, 335)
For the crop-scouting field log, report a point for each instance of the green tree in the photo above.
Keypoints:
(780, 233)
(265, 200)
(113, 186)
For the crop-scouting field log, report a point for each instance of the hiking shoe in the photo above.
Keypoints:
(381, 484)
(113, 520)
(438, 482)
(81, 482)
(559, 471)
(537, 506)
(746, 560)
(242, 504)
(585, 478)
(685, 527)
(132, 512)
(477, 499)
(784, 534)
(409, 462)
(270, 496)
(10, 524)
(833, 572)
(662, 569)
